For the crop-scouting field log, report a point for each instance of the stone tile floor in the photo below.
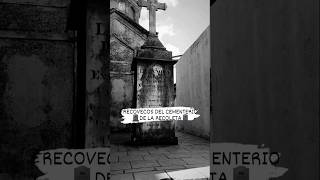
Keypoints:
(187, 160)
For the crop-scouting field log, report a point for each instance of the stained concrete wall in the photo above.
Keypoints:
(265, 79)
(193, 85)
(36, 85)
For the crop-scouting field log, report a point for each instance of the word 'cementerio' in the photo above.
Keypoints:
(245, 158)
(159, 111)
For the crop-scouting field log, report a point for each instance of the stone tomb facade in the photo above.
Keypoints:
(154, 87)
(126, 36)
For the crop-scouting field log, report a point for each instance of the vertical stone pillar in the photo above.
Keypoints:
(97, 76)
(154, 87)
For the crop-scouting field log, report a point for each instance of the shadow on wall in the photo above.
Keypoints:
(193, 85)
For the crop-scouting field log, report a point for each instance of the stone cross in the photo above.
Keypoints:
(152, 6)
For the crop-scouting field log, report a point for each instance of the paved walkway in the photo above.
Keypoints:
(188, 160)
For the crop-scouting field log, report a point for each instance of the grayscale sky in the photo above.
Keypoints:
(181, 24)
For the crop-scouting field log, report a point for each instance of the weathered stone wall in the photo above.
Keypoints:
(128, 7)
(36, 85)
(97, 77)
(265, 79)
(193, 85)
(125, 38)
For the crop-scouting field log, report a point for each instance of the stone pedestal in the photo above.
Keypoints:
(154, 87)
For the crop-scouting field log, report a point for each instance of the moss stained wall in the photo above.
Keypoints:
(36, 85)
(265, 79)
